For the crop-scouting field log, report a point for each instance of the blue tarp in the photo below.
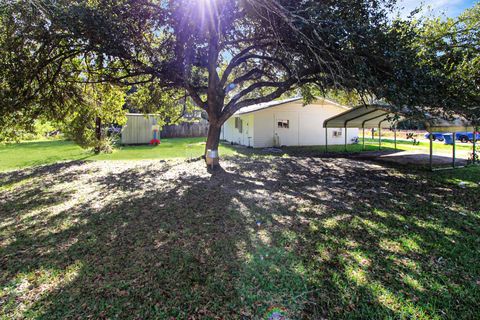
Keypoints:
(448, 138)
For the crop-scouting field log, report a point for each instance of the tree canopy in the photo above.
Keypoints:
(451, 49)
(224, 54)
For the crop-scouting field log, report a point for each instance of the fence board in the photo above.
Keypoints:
(186, 130)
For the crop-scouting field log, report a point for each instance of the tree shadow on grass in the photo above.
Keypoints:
(331, 238)
(9, 179)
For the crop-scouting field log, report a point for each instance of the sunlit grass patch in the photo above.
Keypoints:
(8, 186)
(381, 213)
(35, 153)
(356, 275)
(410, 243)
(460, 178)
(336, 222)
(273, 277)
(20, 294)
(391, 246)
(412, 282)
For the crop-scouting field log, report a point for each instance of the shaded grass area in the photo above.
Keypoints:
(316, 238)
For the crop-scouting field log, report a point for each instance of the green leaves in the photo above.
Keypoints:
(168, 105)
(227, 54)
(451, 49)
(104, 102)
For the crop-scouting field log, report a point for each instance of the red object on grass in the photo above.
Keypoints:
(155, 142)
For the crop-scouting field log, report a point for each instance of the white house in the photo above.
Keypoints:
(286, 123)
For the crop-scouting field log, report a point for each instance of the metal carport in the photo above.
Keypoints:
(368, 116)
(459, 124)
(379, 116)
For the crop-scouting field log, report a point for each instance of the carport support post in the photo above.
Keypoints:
(474, 140)
(454, 147)
(346, 134)
(326, 140)
(363, 127)
(379, 137)
(395, 135)
(431, 151)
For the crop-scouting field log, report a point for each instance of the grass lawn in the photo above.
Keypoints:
(26, 154)
(312, 238)
(424, 146)
(469, 175)
(387, 144)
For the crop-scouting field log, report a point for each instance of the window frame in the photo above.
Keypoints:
(283, 124)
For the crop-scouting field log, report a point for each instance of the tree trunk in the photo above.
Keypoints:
(98, 133)
(211, 148)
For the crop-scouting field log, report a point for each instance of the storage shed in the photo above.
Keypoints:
(139, 128)
(285, 123)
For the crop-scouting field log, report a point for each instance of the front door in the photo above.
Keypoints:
(286, 128)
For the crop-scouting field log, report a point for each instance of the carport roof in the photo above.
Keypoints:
(368, 116)
(374, 116)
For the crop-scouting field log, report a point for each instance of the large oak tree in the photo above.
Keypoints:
(225, 54)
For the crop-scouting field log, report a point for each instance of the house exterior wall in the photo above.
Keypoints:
(305, 126)
(263, 128)
(232, 134)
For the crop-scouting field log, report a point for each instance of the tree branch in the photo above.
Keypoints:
(248, 76)
(237, 60)
(195, 96)
(230, 109)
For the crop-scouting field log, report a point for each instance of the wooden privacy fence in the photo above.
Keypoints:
(185, 130)
(138, 129)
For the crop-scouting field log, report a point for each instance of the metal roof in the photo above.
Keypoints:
(275, 103)
(368, 116)
(374, 116)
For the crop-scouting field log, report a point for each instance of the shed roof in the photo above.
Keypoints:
(266, 105)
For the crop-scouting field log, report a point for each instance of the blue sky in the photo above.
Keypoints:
(451, 8)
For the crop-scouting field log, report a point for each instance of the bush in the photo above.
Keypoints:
(83, 133)
(106, 144)
(41, 129)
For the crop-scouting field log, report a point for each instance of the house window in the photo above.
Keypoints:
(239, 124)
(285, 124)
